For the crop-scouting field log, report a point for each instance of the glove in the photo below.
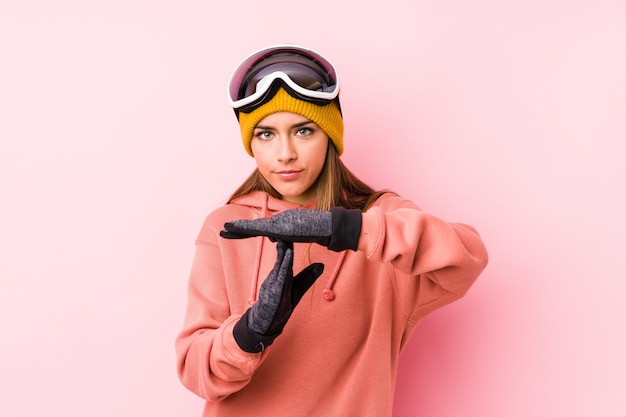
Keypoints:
(278, 296)
(338, 229)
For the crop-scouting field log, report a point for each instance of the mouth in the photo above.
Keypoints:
(288, 174)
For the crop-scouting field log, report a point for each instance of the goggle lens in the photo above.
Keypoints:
(303, 72)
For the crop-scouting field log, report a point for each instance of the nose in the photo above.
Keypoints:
(285, 149)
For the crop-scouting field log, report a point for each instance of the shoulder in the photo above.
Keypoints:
(214, 221)
(228, 212)
(391, 201)
(245, 207)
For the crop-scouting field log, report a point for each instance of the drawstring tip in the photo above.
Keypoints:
(329, 295)
(250, 302)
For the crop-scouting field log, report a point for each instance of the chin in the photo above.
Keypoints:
(298, 198)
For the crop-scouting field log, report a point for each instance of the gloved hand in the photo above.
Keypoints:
(278, 296)
(338, 229)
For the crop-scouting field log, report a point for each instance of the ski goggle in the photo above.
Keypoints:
(304, 73)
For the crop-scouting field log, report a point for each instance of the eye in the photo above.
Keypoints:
(304, 131)
(263, 135)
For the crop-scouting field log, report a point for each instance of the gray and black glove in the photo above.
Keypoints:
(338, 229)
(278, 296)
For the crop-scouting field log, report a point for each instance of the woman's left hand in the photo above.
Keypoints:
(338, 229)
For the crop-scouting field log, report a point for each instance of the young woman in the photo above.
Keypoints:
(308, 283)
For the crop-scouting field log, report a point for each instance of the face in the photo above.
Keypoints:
(290, 151)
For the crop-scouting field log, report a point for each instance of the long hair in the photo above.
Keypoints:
(336, 185)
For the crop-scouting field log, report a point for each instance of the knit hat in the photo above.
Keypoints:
(327, 117)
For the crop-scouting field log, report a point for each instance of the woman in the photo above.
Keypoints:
(368, 265)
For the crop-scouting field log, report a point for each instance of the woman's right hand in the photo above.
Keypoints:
(278, 296)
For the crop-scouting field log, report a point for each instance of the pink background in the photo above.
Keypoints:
(116, 140)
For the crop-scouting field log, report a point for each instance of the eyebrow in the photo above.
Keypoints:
(295, 126)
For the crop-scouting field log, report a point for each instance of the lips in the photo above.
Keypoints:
(288, 175)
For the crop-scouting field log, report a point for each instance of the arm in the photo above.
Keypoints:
(417, 243)
(212, 358)
(210, 363)
(435, 262)
(445, 257)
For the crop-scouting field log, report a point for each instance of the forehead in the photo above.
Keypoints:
(283, 118)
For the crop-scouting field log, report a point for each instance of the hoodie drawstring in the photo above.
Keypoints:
(257, 261)
(328, 293)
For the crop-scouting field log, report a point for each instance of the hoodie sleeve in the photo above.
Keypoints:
(209, 361)
(434, 262)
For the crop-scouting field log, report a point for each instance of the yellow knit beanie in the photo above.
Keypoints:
(327, 117)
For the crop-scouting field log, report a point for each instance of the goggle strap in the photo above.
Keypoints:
(276, 85)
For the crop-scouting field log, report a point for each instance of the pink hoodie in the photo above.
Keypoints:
(339, 351)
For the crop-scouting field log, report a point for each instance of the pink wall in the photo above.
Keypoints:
(116, 140)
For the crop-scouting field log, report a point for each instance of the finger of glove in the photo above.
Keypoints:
(295, 225)
(232, 235)
(279, 275)
(234, 232)
(304, 280)
(250, 227)
(237, 230)
(271, 293)
(286, 305)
